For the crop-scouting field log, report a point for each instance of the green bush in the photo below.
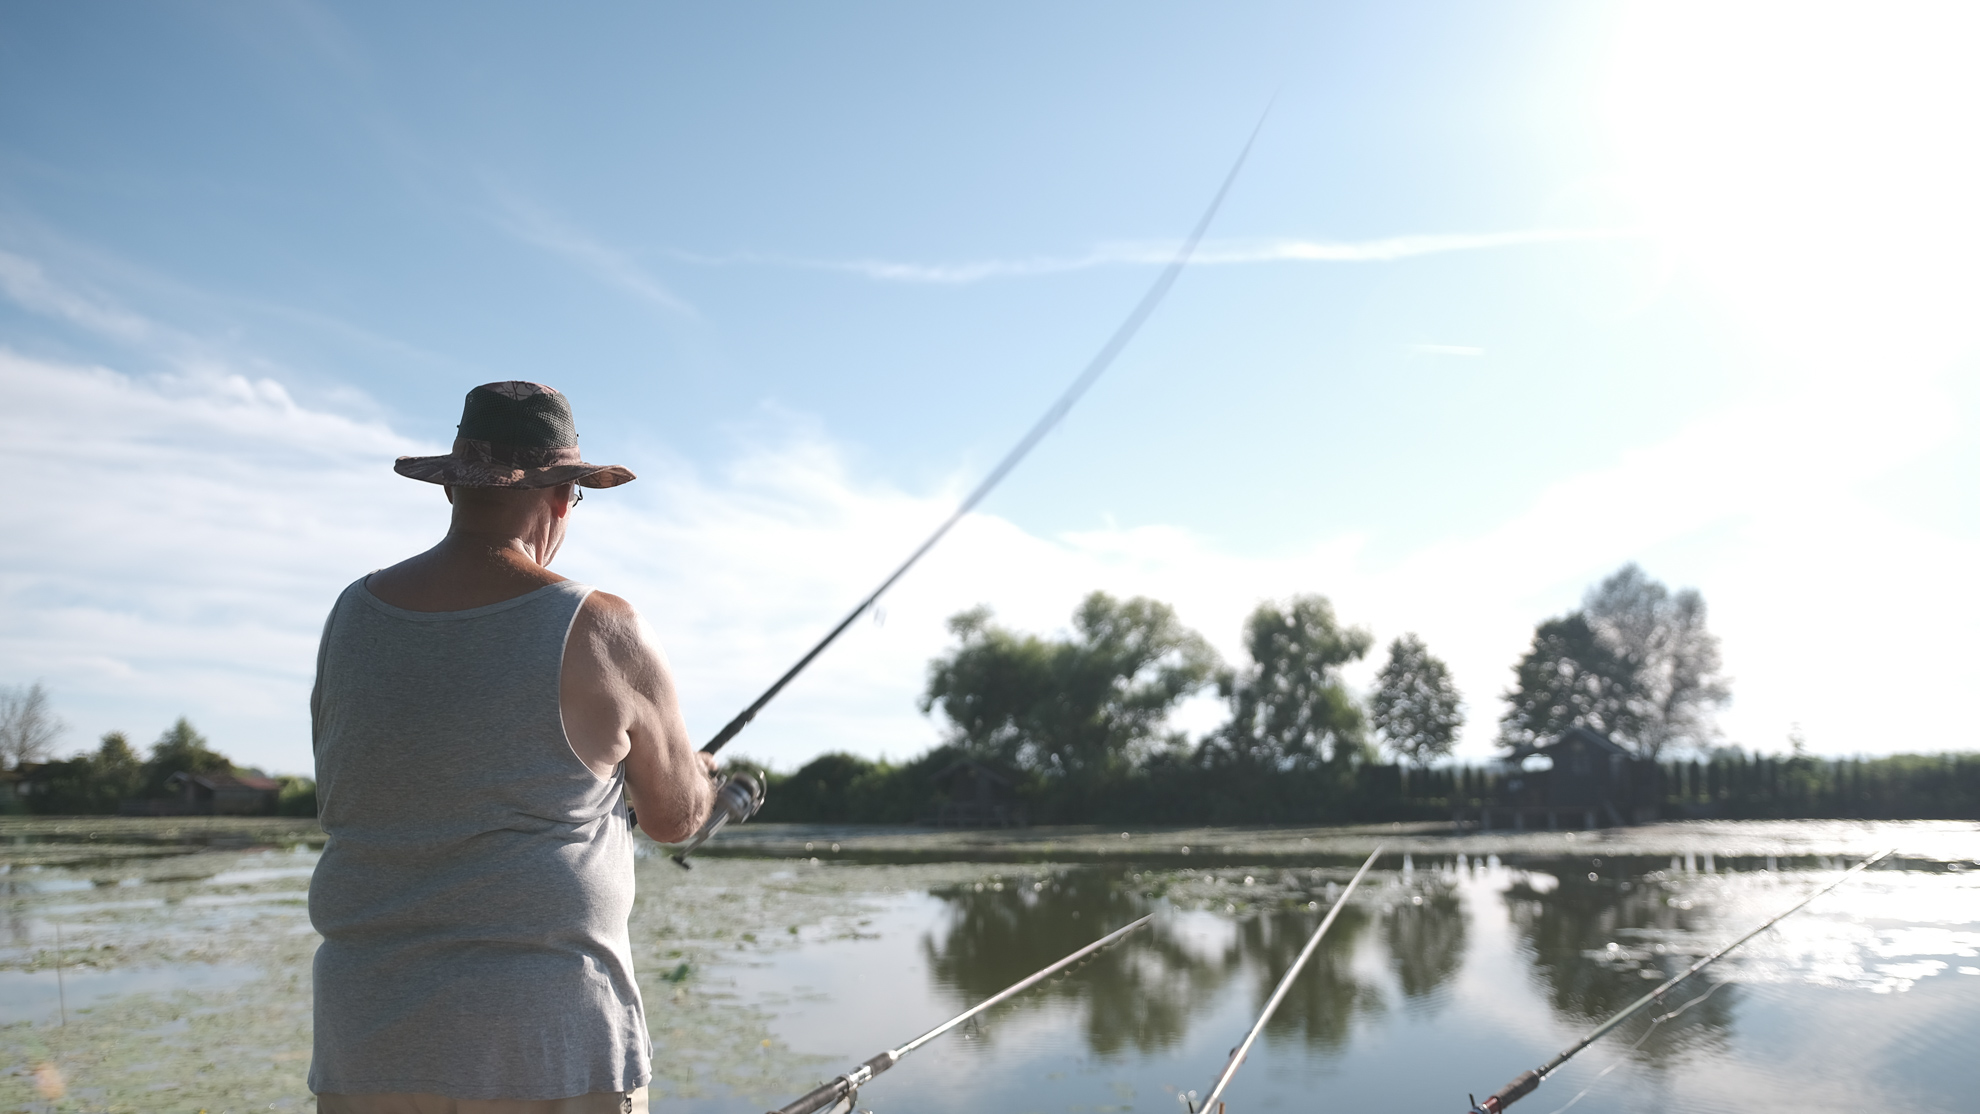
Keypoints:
(298, 797)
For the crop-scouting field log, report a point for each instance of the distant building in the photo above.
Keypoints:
(1586, 781)
(220, 795)
(979, 797)
(28, 780)
(14, 784)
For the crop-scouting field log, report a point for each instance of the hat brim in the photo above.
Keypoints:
(452, 469)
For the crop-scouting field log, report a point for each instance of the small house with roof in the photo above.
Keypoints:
(214, 794)
(1583, 779)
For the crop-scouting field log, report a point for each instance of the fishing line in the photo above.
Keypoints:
(1624, 1058)
(1100, 362)
(1525, 1083)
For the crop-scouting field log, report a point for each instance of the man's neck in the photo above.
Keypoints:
(467, 569)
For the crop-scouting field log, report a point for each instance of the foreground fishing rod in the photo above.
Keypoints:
(1525, 1083)
(739, 797)
(841, 1093)
(1285, 984)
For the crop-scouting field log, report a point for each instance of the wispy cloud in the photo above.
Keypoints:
(26, 284)
(537, 226)
(96, 293)
(1159, 253)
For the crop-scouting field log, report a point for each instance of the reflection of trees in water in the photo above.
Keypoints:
(1137, 993)
(1426, 941)
(1569, 931)
(1322, 1001)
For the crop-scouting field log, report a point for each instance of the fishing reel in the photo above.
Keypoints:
(736, 800)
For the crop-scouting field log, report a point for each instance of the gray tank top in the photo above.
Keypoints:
(474, 891)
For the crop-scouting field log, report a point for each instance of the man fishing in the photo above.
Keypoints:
(481, 727)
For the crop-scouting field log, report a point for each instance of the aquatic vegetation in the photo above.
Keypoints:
(185, 961)
(149, 909)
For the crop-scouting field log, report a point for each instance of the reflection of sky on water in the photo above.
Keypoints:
(1445, 979)
(1449, 981)
(153, 914)
(35, 995)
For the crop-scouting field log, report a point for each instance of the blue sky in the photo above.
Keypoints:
(1506, 296)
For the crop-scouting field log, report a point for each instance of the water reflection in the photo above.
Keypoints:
(1325, 998)
(1592, 946)
(1141, 995)
(1425, 935)
(1135, 995)
(1413, 1001)
(1589, 940)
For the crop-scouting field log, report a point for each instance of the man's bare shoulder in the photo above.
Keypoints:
(612, 614)
(611, 630)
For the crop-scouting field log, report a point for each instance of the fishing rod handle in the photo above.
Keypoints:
(1511, 1093)
(826, 1094)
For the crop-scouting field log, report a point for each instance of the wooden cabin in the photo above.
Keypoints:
(225, 794)
(1586, 780)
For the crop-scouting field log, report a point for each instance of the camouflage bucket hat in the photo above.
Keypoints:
(513, 434)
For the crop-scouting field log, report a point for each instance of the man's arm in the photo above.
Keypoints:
(619, 705)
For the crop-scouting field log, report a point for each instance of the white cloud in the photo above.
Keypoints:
(184, 535)
(1162, 253)
(179, 540)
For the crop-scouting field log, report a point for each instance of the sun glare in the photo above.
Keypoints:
(1815, 164)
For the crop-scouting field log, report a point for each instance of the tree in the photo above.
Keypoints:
(117, 771)
(181, 750)
(1416, 707)
(28, 726)
(90, 783)
(1289, 707)
(1568, 679)
(1674, 660)
(1073, 708)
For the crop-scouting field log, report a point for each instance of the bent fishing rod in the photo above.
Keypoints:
(1238, 1054)
(738, 798)
(1525, 1083)
(845, 1089)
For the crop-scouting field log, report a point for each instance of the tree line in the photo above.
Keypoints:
(1082, 723)
(1081, 720)
(100, 782)
(1734, 785)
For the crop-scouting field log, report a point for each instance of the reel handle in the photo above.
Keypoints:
(736, 800)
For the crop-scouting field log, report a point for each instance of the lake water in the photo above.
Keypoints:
(186, 978)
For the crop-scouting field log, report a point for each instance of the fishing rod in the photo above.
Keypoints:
(1285, 984)
(845, 1089)
(1526, 1082)
(738, 806)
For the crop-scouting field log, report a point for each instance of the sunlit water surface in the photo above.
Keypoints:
(184, 980)
(1451, 978)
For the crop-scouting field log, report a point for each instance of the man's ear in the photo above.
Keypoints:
(561, 505)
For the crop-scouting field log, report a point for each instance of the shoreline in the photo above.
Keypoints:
(1798, 842)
